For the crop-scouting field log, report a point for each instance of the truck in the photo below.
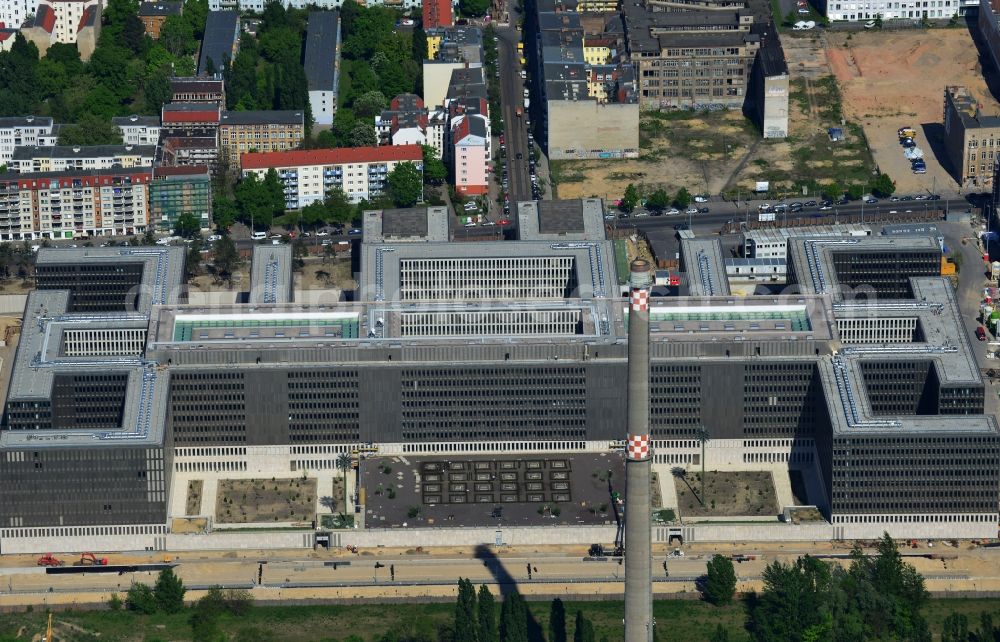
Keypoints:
(906, 132)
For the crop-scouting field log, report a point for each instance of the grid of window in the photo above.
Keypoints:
(103, 343)
(879, 330)
(491, 323)
(476, 278)
(88, 400)
(323, 406)
(886, 272)
(899, 387)
(779, 399)
(674, 400)
(208, 407)
(95, 287)
(933, 474)
(494, 403)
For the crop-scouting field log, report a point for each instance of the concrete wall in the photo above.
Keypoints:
(437, 75)
(13, 304)
(611, 130)
(774, 532)
(775, 99)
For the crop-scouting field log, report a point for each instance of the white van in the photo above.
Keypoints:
(259, 236)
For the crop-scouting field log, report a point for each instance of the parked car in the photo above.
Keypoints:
(871, 200)
(809, 204)
(842, 201)
(214, 237)
(354, 232)
(691, 210)
(703, 210)
(673, 211)
(981, 333)
(699, 198)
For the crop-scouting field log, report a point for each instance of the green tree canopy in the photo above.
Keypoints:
(658, 200)
(557, 621)
(91, 130)
(514, 619)
(486, 611)
(474, 8)
(466, 623)
(225, 258)
(140, 599)
(370, 104)
(682, 199)
(882, 186)
(630, 199)
(435, 172)
(169, 592)
(405, 184)
(224, 212)
(720, 582)
(187, 225)
(583, 629)
(363, 135)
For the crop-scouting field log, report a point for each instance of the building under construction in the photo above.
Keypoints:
(865, 380)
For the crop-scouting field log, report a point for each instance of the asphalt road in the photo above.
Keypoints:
(511, 98)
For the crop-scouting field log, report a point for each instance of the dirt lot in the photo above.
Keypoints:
(891, 79)
(322, 274)
(265, 500)
(192, 505)
(727, 494)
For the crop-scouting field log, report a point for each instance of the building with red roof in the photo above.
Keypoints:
(66, 21)
(309, 174)
(437, 13)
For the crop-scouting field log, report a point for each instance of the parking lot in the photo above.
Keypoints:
(480, 491)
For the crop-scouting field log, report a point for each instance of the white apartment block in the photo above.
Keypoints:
(14, 12)
(138, 130)
(58, 158)
(61, 205)
(890, 9)
(19, 131)
(308, 175)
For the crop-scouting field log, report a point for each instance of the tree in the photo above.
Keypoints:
(486, 611)
(339, 207)
(658, 200)
(720, 582)
(169, 592)
(157, 91)
(192, 266)
(140, 599)
(955, 628)
(313, 214)
(187, 225)
(363, 135)
(91, 130)
(405, 185)
(833, 191)
(682, 199)
(225, 258)
(882, 186)
(855, 192)
(583, 631)
(223, 212)
(435, 172)
(557, 621)
(474, 8)
(370, 104)
(344, 464)
(177, 35)
(465, 627)
(630, 199)
(514, 619)
(133, 33)
(721, 634)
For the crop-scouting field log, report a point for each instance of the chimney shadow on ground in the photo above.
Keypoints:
(507, 585)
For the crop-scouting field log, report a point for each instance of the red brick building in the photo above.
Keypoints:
(437, 13)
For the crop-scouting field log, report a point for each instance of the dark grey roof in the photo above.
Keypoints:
(82, 151)
(141, 121)
(410, 221)
(560, 217)
(772, 56)
(25, 121)
(559, 21)
(162, 8)
(286, 117)
(322, 43)
(222, 30)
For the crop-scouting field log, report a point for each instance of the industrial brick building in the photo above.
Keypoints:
(509, 347)
(258, 131)
(971, 138)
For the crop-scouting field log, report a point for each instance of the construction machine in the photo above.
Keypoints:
(89, 559)
(49, 560)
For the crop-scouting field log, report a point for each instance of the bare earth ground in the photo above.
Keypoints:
(241, 501)
(892, 79)
(192, 505)
(320, 274)
(727, 494)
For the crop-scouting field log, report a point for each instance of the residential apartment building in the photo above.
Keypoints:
(570, 89)
(24, 131)
(258, 131)
(971, 138)
(179, 190)
(198, 90)
(408, 122)
(74, 203)
(220, 43)
(322, 64)
(853, 10)
(471, 154)
(138, 130)
(308, 175)
(154, 14)
(257, 6)
(447, 51)
(988, 24)
(13, 13)
(58, 158)
(190, 134)
(437, 13)
(66, 21)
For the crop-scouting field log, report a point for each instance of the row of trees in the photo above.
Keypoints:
(657, 200)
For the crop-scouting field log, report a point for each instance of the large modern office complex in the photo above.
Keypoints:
(122, 393)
